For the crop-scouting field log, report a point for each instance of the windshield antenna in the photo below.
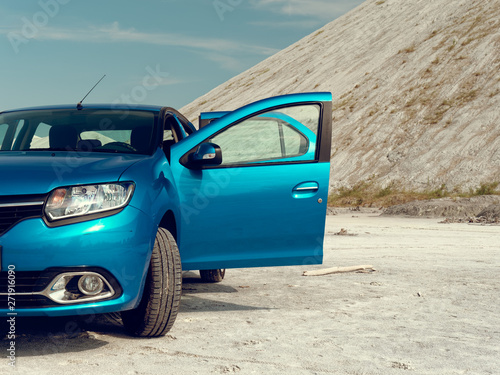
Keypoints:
(79, 105)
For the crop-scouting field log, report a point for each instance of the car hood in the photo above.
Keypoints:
(40, 172)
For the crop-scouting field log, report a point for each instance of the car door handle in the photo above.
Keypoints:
(305, 189)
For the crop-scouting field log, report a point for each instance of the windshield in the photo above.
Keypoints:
(87, 130)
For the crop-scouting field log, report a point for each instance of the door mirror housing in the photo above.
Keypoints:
(205, 154)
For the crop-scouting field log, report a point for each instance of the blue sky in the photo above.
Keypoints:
(164, 52)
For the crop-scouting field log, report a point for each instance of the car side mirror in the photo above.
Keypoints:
(205, 154)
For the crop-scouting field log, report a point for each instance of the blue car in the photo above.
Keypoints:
(103, 206)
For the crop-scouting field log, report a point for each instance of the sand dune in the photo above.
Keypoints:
(416, 88)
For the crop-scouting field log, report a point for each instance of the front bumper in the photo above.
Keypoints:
(118, 246)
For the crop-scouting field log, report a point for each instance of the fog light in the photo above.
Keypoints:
(90, 285)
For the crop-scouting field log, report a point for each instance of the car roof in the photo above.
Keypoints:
(128, 107)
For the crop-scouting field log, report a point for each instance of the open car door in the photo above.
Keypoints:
(253, 185)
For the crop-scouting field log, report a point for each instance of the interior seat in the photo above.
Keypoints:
(140, 139)
(63, 137)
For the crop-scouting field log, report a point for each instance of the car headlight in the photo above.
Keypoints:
(73, 201)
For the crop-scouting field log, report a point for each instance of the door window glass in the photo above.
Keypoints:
(3, 131)
(285, 134)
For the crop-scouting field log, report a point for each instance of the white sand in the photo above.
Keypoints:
(430, 308)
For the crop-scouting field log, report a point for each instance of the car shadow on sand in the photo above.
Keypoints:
(37, 336)
(193, 284)
(192, 289)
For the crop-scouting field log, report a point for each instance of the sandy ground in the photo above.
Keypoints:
(431, 307)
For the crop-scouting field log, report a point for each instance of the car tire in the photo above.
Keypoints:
(212, 276)
(161, 298)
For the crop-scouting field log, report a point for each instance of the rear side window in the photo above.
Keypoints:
(3, 132)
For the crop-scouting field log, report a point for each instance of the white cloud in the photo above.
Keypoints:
(320, 9)
(115, 34)
(222, 51)
(305, 24)
(226, 62)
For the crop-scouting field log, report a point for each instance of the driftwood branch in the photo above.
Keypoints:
(327, 271)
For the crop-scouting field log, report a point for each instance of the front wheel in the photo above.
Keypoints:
(161, 298)
(212, 276)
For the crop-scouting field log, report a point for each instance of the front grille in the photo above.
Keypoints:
(26, 282)
(26, 301)
(13, 209)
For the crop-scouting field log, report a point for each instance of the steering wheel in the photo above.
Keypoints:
(118, 146)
